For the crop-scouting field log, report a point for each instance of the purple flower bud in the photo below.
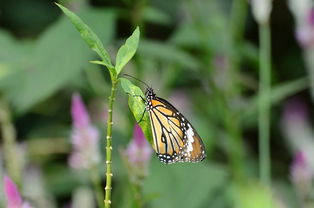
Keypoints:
(305, 29)
(85, 137)
(14, 199)
(295, 123)
(139, 150)
(79, 114)
(301, 173)
(310, 17)
(298, 130)
(295, 112)
(299, 161)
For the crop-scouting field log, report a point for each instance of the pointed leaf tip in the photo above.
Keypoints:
(127, 50)
(88, 35)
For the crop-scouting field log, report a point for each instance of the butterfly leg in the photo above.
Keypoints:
(142, 116)
(143, 99)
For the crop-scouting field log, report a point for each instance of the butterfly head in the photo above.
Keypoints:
(150, 93)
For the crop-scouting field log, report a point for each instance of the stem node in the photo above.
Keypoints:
(109, 146)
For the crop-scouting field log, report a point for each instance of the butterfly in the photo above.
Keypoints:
(174, 137)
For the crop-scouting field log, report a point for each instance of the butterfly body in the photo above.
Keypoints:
(175, 139)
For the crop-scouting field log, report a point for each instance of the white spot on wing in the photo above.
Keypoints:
(190, 135)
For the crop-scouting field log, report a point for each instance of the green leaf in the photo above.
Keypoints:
(186, 35)
(185, 185)
(47, 67)
(278, 93)
(127, 51)
(88, 35)
(168, 52)
(110, 68)
(252, 195)
(12, 49)
(155, 15)
(137, 107)
(14, 56)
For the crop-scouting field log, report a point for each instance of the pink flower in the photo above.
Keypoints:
(301, 173)
(296, 125)
(14, 199)
(310, 17)
(303, 11)
(85, 137)
(298, 130)
(139, 150)
(137, 155)
(79, 114)
(295, 112)
(299, 167)
(305, 31)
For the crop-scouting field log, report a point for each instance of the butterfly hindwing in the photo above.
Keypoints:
(175, 139)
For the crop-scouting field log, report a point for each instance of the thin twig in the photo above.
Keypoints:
(264, 103)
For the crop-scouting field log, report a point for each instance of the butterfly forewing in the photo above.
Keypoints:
(175, 139)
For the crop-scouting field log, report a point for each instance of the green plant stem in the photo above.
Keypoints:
(237, 27)
(238, 19)
(309, 61)
(137, 189)
(12, 163)
(236, 152)
(96, 180)
(109, 145)
(264, 103)
(232, 121)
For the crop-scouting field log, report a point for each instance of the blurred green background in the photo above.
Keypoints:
(202, 56)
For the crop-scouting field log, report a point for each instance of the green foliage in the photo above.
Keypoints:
(167, 53)
(180, 185)
(88, 36)
(14, 50)
(196, 53)
(57, 57)
(252, 195)
(137, 106)
(156, 15)
(111, 69)
(127, 51)
(63, 180)
(278, 94)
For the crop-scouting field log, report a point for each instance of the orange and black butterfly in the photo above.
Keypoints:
(175, 139)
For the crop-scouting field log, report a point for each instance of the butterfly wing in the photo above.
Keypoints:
(175, 139)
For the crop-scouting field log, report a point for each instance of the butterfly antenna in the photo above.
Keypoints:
(127, 75)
